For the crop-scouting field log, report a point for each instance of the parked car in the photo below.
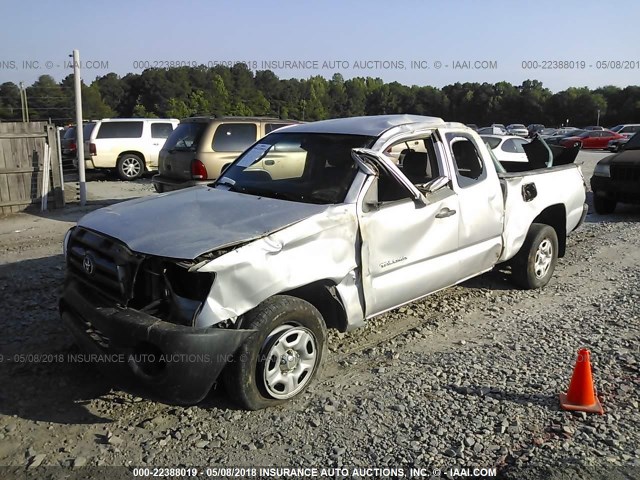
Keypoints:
(128, 145)
(493, 130)
(517, 129)
(507, 148)
(473, 126)
(201, 147)
(591, 139)
(593, 127)
(547, 132)
(616, 178)
(247, 274)
(69, 146)
(617, 145)
(534, 128)
(628, 130)
(563, 133)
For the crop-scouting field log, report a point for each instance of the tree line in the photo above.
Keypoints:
(185, 91)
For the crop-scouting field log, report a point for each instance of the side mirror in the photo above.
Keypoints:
(435, 184)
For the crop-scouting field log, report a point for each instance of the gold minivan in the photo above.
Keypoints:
(201, 147)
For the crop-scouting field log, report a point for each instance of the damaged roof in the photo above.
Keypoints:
(373, 126)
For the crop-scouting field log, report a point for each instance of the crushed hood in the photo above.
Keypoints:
(188, 223)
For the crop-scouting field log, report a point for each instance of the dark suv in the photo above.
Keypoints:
(616, 178)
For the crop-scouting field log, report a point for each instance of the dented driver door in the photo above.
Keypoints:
(409, 240)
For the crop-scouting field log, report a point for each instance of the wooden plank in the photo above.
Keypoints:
(15, 204)
(19, 170)
(22, 135)
(4, 183)
(52, 140)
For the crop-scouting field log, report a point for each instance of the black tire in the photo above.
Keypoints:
(603, 205)
(129, 167)
(534, 264)
(278, 320)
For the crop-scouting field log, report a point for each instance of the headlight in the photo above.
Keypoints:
(65, 242)
(602, 170)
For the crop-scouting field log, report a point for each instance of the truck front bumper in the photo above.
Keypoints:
(623, 191)
(174, 363)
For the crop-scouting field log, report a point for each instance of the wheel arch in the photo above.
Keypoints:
(556, 217)
(136, 153)
(323, 295)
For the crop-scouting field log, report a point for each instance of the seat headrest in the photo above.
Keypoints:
(415, 163)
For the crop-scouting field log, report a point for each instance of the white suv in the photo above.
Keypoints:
(128, 145)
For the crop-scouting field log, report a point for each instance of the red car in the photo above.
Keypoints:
(592, 139)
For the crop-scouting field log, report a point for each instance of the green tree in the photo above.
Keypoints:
(10, 105)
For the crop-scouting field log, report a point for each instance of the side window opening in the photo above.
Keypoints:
(468, 162)
(417, 160)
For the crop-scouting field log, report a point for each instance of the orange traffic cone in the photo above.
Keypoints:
(581, 395)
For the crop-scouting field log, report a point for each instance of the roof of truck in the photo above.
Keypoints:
(371, 126)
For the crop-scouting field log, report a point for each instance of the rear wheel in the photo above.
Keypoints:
(603, 205)
(534, 264)
(281, 359)
(129, 166)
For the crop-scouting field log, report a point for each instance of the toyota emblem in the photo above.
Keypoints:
(87, 264)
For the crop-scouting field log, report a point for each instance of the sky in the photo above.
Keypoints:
(414, 42)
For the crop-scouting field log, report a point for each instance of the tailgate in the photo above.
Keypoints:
(175, 164)
(174, 160)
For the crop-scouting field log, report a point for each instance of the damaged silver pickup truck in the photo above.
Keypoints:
(320, 225)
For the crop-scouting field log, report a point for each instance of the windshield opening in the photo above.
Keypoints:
(301, 167)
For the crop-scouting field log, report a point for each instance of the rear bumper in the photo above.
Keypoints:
(173, 363)
(585, 209)
(620, 191)
(168, 184)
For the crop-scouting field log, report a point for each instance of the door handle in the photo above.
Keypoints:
(269, 162)
(445, 212)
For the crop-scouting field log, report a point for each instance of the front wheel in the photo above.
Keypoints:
(130, 167)
(281, 359)
(534, 264)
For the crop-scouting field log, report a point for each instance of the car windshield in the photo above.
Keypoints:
(633, 143)
(301, 167)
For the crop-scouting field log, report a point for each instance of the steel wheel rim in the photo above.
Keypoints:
(544, 256)
(290, 361)
(131, 167)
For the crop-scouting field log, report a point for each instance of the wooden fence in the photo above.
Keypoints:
(23, 148)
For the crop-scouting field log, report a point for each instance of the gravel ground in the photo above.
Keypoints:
(468, 378)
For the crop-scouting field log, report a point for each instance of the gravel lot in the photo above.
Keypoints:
(468, 378)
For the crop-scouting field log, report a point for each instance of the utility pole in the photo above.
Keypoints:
(598, 119)
(23, 103)
(79, 134)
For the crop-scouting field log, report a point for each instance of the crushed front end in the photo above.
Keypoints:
(136, 314)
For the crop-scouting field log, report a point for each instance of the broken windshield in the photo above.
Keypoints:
(302, 167)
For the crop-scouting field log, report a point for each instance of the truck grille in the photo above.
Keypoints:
(625, 173)
(102, 263)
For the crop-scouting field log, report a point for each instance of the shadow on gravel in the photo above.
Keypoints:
(549, 401)
(497, 279)
(39, 379)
